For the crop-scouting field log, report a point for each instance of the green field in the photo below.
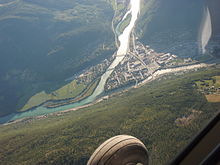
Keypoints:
(213, 82)
(205, 83)
(70, 90)
(211, 88)
(84, 94)
(217, 81)
(150, 113)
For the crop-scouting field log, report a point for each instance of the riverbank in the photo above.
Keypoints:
(158, 74)
(163, 72)
(28, 119)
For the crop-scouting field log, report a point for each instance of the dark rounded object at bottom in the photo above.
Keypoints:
(120, 150)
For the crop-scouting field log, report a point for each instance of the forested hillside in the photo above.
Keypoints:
(172, 26)
(43, 43)
(165, 114)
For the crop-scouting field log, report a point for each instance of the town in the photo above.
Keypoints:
(139, 64)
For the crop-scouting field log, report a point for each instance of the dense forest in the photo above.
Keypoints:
(165, 114)
(43, 43)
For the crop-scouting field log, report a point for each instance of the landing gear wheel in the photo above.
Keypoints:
(120, 150)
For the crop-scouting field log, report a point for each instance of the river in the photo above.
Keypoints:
(124, 40)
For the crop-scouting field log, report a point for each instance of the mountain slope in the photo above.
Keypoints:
(172, 26)
(171, 107)
(43, 43)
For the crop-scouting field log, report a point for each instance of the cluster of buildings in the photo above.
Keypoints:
(137, 65)
(94, 72)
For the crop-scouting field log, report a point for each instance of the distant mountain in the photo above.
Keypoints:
(42, 43)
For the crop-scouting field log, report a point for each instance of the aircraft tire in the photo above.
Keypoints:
(120, 150)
